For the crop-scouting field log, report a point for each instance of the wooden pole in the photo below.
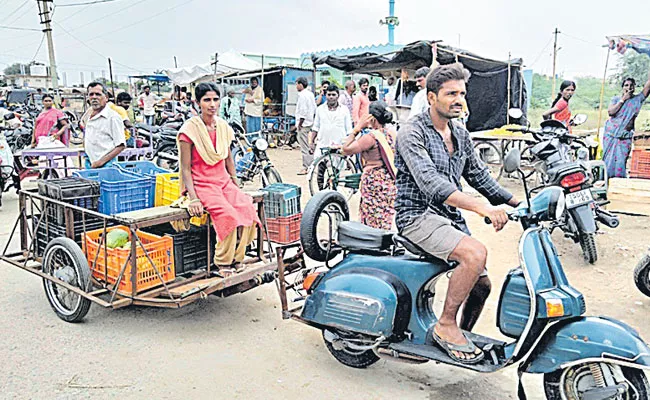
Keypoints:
(110, 73)
(555, 33)
(509, 77)
(175, 62)
(602, 96)
(216, 60)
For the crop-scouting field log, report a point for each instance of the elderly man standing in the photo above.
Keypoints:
(104, 136)
(345, 96)
(254, 106)
(305, 110)
(361, 103)
(420, 103)
(229, 108)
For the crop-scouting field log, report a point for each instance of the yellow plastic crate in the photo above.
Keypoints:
(168, 191)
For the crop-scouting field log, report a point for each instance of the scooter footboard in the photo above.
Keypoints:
(585, 339)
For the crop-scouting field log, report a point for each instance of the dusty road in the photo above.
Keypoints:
(239, 347)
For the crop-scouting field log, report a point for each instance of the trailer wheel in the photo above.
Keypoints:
(64, 260)
(319, 225)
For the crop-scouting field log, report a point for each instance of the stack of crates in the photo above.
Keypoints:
(75, 191)
(144, 169)
(190, 247)
(282, 211)
(640, 163)
(119, 191)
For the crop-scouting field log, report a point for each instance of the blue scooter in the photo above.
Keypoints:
(378, 303)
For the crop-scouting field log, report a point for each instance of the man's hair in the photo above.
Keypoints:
(363, 80)
(333, 88)
(422, 72)
(445, 73)
(146, 87)
(325, 83)
(101, 85)
(349, 83)
(39, 90)
(48, 96)
(205, 87)
(254, 79)
(629, 79)
(124, 96)
(184, 89)
(302, 80)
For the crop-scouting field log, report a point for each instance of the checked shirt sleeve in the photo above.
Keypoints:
(477, 176)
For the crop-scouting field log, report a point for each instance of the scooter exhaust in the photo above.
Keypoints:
(606, 218)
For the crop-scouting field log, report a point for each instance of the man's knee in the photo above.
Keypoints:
(472, 253)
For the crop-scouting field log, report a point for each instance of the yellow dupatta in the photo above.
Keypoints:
(387, 153)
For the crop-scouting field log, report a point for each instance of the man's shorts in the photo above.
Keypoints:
(435, 234)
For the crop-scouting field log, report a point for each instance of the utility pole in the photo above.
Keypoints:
(216, 61)
(175, 62)
(44, 14)
(110, 71)
(555, 49)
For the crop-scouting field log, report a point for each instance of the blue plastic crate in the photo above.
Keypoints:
(281, 200)
(146, 169)
(119, 191)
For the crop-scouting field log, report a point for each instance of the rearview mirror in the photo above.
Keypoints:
(515, 113)
(579, 119)
(512, 161)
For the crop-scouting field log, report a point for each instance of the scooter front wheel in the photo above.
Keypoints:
(347, 356)
(642, 275)
(577, 382)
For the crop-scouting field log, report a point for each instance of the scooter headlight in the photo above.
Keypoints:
(261, 144)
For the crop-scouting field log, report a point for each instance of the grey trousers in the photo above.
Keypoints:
(303, 141)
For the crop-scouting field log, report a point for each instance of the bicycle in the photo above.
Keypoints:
(334, 171)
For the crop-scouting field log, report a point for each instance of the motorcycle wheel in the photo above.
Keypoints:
(588, 245)
(324, 208)
(167, 164)
(351, 358)
(270, 176)
(642, 275)
(571, 383)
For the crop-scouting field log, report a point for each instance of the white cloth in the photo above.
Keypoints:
(104, 132)
(148, 103)
(305, 107)
(256, 108)
(332, 126)
(390, 95)
(420, 103)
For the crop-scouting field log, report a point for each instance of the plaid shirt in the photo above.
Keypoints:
(427, 175)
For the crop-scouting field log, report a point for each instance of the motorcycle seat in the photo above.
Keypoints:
(355, 236)
(146, 127)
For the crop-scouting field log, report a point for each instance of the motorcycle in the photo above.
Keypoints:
(6, 167)
(249, 154)
(561, 164)
(377, 303)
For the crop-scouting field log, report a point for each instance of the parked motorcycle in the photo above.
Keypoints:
(249, 153)
(561, 163)
(378, 303)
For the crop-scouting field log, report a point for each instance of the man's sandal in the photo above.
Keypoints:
(468, 349)
(224, 271)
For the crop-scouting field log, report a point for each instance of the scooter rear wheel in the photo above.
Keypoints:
(642, 275)
(351, 358)
(571, 383)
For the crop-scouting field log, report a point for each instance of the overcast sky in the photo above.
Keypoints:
(143, 35)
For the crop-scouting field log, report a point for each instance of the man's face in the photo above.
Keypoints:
(324, 87)
(332, 98)
(231, 94)
(352, 88)
(364, 87)
(421, 82)
(448, 103)
(391, 81)
(97, 98)
(629, 86)
(147, 91)
(299, 86)
(124, 104)
(254, 84)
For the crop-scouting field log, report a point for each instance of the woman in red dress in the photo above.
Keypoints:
(208, 175)
(560, 110)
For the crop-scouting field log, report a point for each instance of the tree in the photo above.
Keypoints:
(634, 65)
(15, 69)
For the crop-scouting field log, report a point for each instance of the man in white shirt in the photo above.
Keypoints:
(104, 136)
(148, 100)
(420, 103)
(305, 110)
(392, 89)
(332, 124)
(254, 106)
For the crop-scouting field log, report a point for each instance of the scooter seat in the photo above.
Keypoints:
(354, 236)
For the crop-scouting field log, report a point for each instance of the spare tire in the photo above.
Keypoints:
(322, 203)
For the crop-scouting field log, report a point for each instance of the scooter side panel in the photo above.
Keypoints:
(587, 338)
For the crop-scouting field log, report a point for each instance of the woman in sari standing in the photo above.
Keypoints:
(560, 110)
(619, 128)
(378, 191)
(208, 175)
(50, 122)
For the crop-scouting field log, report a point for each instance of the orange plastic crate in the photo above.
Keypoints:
(640, 164)
(159, 249)
(284, 230)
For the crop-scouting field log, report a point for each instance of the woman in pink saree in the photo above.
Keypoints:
(50, 122)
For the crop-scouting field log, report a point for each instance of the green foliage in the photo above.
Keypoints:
(586, 97)
(14, 69)
(634, 65)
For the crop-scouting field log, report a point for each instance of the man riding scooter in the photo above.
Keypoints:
(433, 153)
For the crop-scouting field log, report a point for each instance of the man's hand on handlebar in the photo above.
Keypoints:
(494, 215)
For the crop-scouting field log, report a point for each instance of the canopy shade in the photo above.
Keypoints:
(638, 43)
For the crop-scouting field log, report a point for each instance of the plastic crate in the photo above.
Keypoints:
(159, 249)
(73, 190)
(281, 200)
(640, 164)
(146, 169)
(49, 229)
(190, 247)
(119, 191)
(167, 189)
(284, 230)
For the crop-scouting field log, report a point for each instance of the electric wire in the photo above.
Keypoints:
(15, 28)
(108, 15)
(39, 48)
(541, 52)
(6, 17)
(87, 3)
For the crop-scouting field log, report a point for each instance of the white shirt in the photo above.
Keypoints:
(332, 126)
(148, 102)
(305, 107)
(420, 103)
(256, 108)
(390, 95)
(103, 133)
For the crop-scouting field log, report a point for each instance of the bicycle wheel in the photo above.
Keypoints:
(334, 172)
(490, 154)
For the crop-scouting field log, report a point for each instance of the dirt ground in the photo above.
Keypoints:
(239, 347)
